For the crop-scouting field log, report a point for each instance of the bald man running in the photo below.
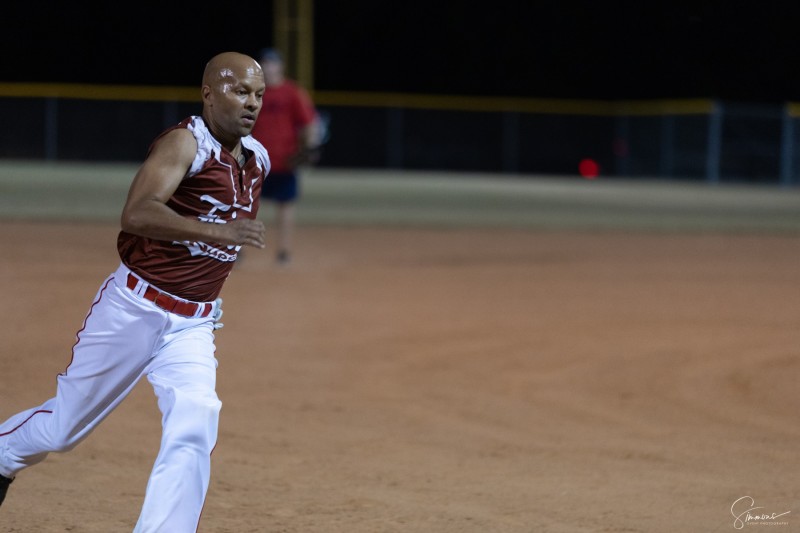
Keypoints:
(191, 207)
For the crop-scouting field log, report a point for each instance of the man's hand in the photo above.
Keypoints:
(243, 231)
(305, 156)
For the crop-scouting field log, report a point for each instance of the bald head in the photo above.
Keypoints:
(233, 85)
(225, 67)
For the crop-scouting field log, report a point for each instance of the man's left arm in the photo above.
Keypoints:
(308, 134)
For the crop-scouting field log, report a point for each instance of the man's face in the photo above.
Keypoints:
(236, 100)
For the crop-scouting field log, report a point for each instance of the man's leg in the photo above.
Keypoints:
(285, 223)
(108, 359)
(183, 376)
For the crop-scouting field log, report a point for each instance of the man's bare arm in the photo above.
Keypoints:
(146, 213)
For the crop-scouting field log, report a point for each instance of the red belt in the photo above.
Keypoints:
(170, 303)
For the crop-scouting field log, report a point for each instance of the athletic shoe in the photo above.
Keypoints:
(4, 483)
(283, 257)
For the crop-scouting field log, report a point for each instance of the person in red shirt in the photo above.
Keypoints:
(288, 127)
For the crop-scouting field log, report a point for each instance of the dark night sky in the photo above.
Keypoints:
(573, 49)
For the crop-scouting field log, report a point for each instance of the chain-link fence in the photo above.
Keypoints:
(692, 139)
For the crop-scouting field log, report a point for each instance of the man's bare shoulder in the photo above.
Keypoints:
(177, 143)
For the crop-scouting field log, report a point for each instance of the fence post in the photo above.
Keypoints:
(51, 129)
(787, 145)
(667, 166)
(714, 143)
(510, 142)
(622, 145)
(170, 113)
(394, 136)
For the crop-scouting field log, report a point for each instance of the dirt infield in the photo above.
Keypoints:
(450, 380)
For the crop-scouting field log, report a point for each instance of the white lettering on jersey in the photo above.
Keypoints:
(208, 146)
(210, 216)
(201, 248)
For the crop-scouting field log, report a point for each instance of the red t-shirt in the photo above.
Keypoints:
(215, 190)
(285, 109)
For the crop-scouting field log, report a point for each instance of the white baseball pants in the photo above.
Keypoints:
(125, 337)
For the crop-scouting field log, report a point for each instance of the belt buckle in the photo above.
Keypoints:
(165, 302)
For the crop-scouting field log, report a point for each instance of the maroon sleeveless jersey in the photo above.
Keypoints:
(215, 190)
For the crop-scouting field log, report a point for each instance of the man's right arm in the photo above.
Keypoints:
(146, 213)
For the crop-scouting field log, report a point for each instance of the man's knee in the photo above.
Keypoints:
(65, 442)
(194, 419)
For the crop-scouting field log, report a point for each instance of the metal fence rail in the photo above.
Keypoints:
(701, 140)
